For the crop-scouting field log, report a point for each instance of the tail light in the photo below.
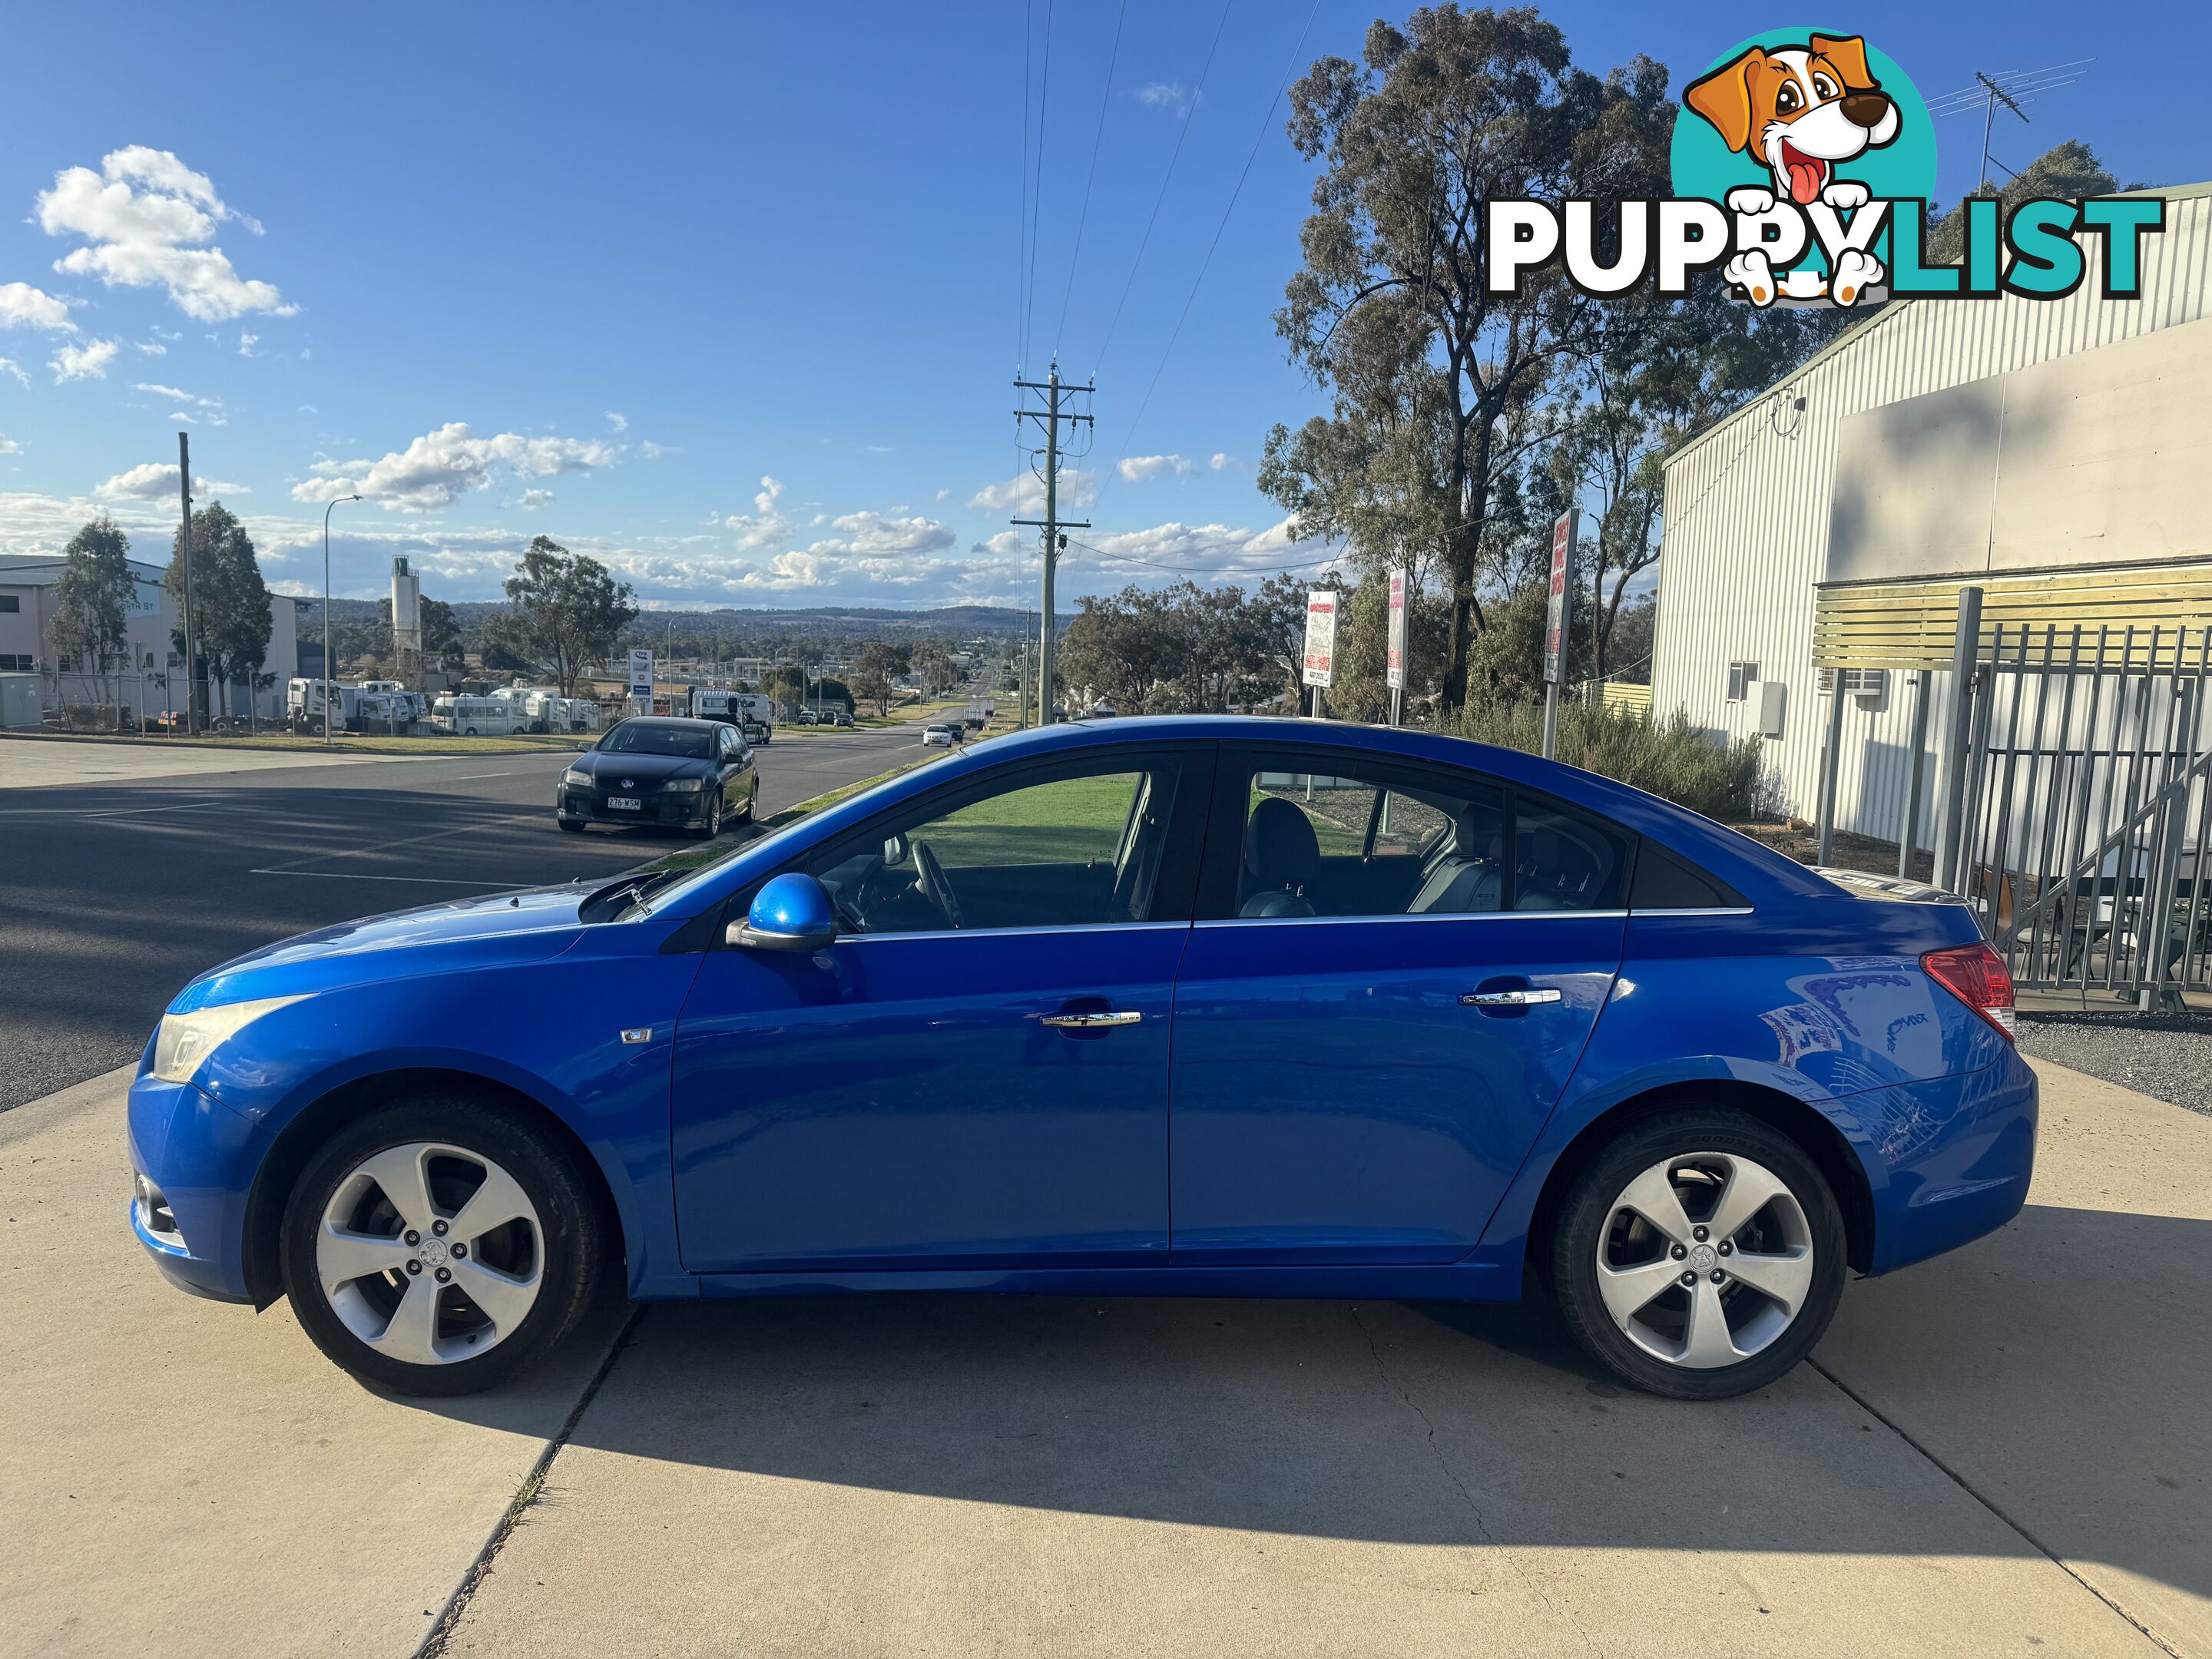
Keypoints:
(1977, 976)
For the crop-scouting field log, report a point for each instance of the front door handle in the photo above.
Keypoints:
(1090, 1022)
(1520, 999)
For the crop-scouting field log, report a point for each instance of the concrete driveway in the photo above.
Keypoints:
(2004, 1451)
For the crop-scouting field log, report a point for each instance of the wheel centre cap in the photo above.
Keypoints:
(433, 1252)
(1702, 1258)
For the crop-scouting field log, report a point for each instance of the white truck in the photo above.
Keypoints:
(731, 708)
(303, 705)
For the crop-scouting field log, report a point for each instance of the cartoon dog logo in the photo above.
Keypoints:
(1801, 111)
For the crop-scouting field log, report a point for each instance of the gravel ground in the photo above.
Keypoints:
(2166, 1057)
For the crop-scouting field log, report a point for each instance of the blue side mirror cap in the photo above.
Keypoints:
(790, 912)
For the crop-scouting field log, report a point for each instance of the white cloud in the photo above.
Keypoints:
(195, 408)
(156, 481)
(22, 306)
(438, 468)
(1024, 493)
(654, 452)
(1135, 469)
(619, 422)
(153, 348)
(764, 526)
(9, 366)
(1220, 462)
(531, 500)
(8, 446)
(1170, 95)
(246, 342)
(143, 217)
(88, 362)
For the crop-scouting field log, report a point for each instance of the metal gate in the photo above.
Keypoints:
(2084, 808)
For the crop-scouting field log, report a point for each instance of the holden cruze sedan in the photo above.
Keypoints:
(1191, 1006)
(686, 772)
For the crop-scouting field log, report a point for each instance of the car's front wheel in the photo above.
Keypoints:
(438, 1246)
(1699, 1255)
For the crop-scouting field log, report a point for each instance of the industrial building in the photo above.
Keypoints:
(2053, 452)
(42, 676)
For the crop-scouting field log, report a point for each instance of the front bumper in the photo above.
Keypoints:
(199, 1154)
(586, 807)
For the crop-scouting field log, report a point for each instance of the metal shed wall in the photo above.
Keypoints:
(1747, 508)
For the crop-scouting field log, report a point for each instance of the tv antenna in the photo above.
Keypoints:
(2008, 90)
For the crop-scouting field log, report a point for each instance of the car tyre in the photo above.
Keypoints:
(557, 1251)
(1644, 1324)
(752, 797)
(713, 827)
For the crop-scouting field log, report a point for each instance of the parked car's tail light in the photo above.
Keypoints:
(1977, 976)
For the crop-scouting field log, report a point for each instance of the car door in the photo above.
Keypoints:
(975, 1074)
(1395, 970)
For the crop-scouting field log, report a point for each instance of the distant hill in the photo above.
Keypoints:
(848, 622)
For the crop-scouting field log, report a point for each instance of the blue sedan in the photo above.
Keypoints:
(1194, 1006)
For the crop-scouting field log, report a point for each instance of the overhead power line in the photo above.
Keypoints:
(1210, 570)
(1036, 195)
(1258, 138)
(1097, 139)
(1166, 178)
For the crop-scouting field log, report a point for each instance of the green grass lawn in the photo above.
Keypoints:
(1074, 821)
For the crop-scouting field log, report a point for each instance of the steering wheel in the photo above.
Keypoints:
(931, 879)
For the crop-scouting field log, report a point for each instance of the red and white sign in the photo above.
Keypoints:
(1321, 638)
(1394, 660)
(1563, 530)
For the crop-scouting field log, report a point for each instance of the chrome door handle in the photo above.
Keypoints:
(1509, 999)
(1090, 1022)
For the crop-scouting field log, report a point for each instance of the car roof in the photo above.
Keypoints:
(680, 722)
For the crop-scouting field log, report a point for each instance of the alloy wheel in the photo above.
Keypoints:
(430, 1252)
(1705, 1260)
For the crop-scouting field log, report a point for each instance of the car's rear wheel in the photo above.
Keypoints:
(439, 1246)
(1699, 1255)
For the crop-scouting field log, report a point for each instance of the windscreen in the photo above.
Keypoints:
(680, 742)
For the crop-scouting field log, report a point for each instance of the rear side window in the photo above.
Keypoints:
(1668, 881)
(1333, 834)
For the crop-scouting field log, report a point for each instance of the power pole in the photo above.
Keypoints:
(185, 552)
(1052, 524)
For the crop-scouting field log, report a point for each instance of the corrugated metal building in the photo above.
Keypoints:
(2045, 450)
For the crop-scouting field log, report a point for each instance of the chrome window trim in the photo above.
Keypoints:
(1009, 932)
(1699, 910)
(1445, 915)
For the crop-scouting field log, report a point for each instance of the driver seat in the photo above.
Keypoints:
(1281, 854)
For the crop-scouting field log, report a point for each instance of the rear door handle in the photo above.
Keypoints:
(1525, 999)
(1090, 1022)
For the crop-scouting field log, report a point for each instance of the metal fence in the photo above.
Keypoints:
(2085, 808)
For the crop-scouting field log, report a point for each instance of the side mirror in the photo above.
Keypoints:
(790, 912)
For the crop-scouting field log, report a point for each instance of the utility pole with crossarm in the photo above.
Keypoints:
(1052, 524)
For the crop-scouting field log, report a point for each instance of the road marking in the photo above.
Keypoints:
(139, 812)
(473, 776)
(386, 847)
(430, 881)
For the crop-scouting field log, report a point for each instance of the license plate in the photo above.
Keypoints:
(622, 803)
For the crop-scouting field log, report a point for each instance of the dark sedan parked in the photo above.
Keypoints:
(687, 774)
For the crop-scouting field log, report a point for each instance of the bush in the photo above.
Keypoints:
(1673, 758)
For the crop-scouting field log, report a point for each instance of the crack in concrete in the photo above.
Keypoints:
(1481, 1524)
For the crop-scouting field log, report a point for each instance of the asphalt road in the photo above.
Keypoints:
(113, 894)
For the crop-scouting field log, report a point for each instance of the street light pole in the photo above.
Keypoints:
(334, 500)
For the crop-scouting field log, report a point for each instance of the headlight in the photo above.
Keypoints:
(683, 786)
(576, 779)
(185, 1041)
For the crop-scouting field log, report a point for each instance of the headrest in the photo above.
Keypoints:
(1280, 848)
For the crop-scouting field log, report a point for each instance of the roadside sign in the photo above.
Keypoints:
(640, 676)
(1393, 664)
(1321, 637)
(1564, 530)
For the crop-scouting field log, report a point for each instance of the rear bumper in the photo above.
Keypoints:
(1950, 1160)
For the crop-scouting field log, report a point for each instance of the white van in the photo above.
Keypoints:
(477, 717)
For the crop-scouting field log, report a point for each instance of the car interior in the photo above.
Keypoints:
(1068, 852)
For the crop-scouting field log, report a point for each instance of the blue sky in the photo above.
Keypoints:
(728, 294)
